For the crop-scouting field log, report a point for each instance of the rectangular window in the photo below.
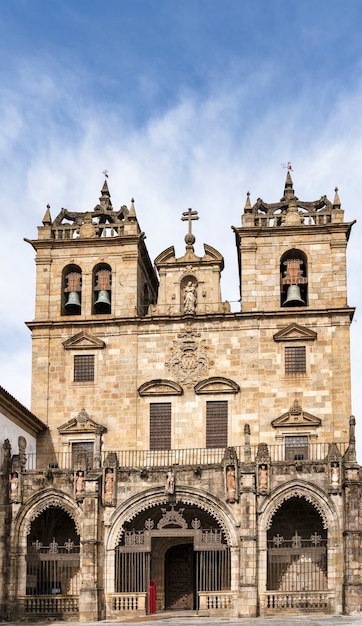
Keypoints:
(296, 448)
(84, 368)
(82, 454)
(295, 360)
(160, 426)
(216, 424)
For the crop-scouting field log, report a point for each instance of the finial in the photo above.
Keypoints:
(132, 210)
(105, 203)
(288, 187)
(247, 208)
(336, 201)
(47, 220)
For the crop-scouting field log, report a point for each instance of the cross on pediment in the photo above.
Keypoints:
(189, 216)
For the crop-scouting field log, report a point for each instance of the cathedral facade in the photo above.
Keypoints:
(192, 457)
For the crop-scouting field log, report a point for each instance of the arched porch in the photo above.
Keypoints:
(185, 546)
(300, 547)
(46, 563)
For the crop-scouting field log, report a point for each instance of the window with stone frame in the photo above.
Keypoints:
(216, 423)
(295, 360)
(82, 454)
(83, 368)
(296, 448)
(160, 426)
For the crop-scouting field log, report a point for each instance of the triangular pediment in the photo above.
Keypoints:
(160, 387)
(216, 384)
(83, 341)
(82, 423)
(296, 417)
(294, 332)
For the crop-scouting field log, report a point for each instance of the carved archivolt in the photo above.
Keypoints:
(155, 497)
(50, 499)
(299, 490)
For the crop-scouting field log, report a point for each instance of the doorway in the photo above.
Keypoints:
(180, 578)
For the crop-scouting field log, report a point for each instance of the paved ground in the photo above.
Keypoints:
(191, 619)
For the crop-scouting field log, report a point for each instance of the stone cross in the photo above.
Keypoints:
(189, 216)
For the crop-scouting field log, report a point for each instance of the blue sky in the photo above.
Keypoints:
(188, 103)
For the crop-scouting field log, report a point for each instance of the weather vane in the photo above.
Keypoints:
(287, 166)
(105, 172)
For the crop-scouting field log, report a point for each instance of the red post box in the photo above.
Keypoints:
(152, 596)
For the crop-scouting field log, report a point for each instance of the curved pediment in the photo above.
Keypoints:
(166, 256)
(295, 332)
(160, 387)
(216, 384)
(83, 341)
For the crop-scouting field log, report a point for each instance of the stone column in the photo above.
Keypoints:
(89, 595)
(352, 532)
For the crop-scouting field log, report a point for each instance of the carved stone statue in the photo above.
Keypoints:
(263, 479)
(190, 298)
(334, 475)
(230, 480)
(79, 482)
(14, 485)
(108, 486)
(170, 482)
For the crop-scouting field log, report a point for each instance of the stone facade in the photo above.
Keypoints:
(194, 457)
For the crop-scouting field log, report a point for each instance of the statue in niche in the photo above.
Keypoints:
(14, 487)
(230, 481)
(334, 475)
(170, 482)
(108, 486)
(263, 479)
(79, 482)
(190, 298)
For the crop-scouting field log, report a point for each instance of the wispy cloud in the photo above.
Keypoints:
(205, 151)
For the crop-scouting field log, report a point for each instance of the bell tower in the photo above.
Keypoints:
(293, 288)
(292, 254)
(93, 275)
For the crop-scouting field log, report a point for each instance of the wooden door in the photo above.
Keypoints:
(179, 578)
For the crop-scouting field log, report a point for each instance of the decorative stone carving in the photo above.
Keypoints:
(6, 456)
(175, 518)
(188, 361)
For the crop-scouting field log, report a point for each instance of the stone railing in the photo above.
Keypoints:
(131, 603)
(274, 602)
(62, 607)
(143, 460)
(216, 602)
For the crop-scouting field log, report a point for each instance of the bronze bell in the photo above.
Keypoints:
(73, 303)
(103, 303)
(293, 297)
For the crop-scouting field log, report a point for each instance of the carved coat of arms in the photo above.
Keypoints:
(188, 361)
